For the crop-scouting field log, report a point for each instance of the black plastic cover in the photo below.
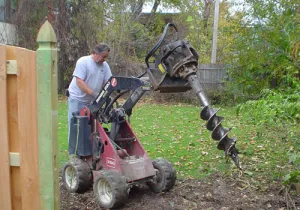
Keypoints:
(80, 132)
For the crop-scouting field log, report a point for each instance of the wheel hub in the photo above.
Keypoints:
(105, 191)
(71, 177)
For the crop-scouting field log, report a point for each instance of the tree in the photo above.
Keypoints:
(81, 24)
(198, 16)
(28, 18)
(265, 45)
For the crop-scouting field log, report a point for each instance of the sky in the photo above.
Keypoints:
(238, 5)
(148, 6)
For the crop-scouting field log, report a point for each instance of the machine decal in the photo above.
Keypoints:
(104, 93)
(100, 96)
(139, 169)
(107, 85)
(110, 162)
(114, 82)
(161, 68)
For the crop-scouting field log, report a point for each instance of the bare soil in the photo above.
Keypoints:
(214, 193)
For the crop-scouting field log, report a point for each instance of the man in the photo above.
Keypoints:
(90, 74)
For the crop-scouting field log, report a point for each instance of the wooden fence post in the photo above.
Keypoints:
(46, 64)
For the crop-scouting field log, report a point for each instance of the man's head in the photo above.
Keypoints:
(100, 53)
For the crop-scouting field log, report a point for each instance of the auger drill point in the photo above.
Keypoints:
(175, 70)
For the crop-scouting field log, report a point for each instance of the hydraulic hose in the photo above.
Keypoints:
(161, 39)
(158, 44)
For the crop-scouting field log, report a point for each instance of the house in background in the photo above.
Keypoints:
(8, 32)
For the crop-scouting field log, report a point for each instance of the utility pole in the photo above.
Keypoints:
(215, 33)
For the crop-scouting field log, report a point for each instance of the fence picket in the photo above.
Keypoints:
(5, 192)
(27, 122)
(14, 146)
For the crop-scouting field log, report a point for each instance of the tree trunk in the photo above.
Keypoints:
(207, 9)
(136, 9)
(62, 34)
(153, 11)
(8, 10)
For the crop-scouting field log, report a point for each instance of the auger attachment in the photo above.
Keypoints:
(174, 70)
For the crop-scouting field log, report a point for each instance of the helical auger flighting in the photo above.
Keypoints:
(214, 123)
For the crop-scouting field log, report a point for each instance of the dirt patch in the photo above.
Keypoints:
(215, 192)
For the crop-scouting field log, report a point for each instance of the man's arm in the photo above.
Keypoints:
(83, 86)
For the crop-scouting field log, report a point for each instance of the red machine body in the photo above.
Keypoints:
(116, 149)
(132, 160)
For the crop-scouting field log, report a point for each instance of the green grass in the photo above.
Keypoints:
(177, 133)
(62, 131)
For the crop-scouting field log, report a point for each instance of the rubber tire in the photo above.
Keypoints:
(82, 177)
(166, 176)
(119, 189)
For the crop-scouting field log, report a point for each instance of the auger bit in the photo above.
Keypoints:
(214, 123)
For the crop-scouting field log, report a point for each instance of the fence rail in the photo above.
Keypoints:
(212, 76)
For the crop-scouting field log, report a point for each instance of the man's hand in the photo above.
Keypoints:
(94, 94)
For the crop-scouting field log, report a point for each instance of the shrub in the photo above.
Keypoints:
(273, 107)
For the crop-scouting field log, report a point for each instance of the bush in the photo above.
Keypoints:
(273, 107)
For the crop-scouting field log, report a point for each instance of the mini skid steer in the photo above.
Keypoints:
(112, 157)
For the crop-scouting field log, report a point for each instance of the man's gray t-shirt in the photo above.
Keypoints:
(93, 74)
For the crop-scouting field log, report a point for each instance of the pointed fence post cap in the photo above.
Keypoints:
(46, 33)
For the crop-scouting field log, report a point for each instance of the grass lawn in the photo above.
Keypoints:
(62, 131)
(177, 133)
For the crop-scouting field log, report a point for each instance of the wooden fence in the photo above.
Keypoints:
(212, 76)
(28, 125)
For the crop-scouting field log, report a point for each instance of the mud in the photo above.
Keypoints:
(213, 193)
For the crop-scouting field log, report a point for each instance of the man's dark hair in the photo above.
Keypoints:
(100, 48)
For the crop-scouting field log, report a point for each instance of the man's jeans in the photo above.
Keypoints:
(73, 106)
